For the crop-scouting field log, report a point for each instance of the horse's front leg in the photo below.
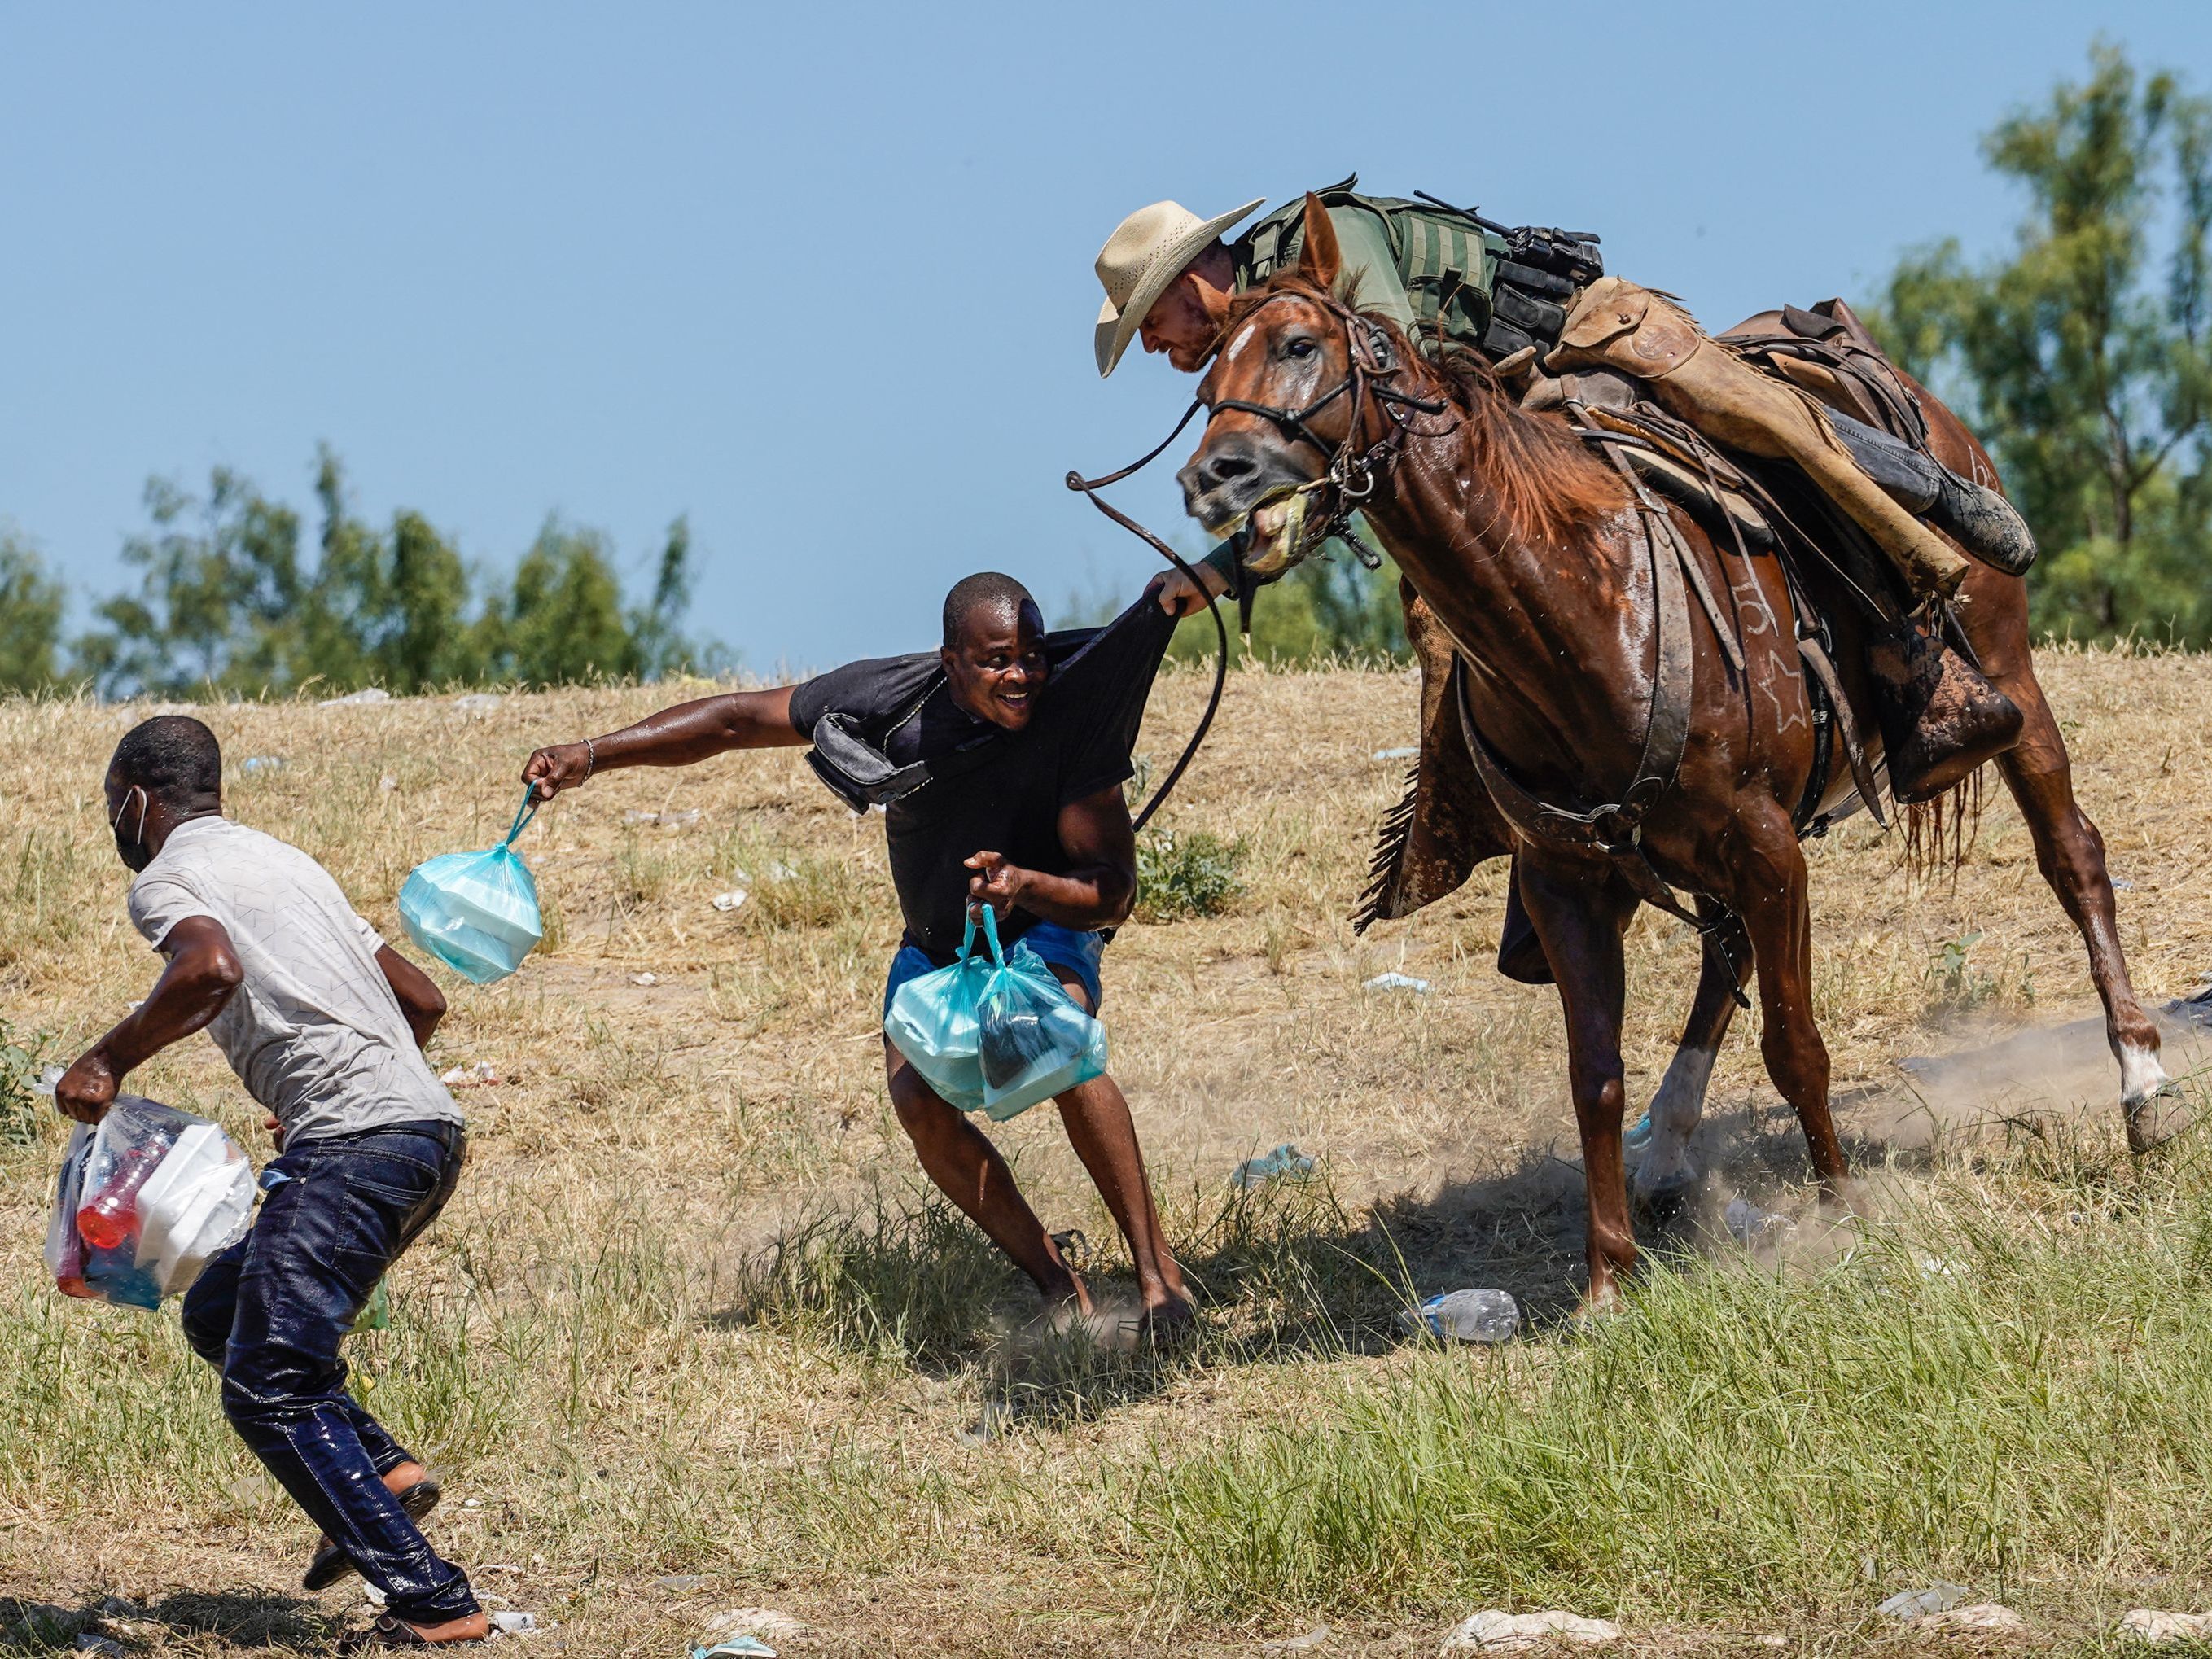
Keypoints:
(1666, 1178)
(1580, 910)
(1771, 896)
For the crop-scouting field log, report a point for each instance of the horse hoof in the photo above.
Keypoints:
(1666, 1201)
(2157, 1117)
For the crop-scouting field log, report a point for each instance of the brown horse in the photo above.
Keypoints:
(1550, 579)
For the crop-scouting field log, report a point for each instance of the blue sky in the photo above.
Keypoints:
(821, 276)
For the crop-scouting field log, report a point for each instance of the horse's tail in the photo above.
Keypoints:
(1939, 831)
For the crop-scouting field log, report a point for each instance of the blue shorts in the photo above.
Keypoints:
(1078, 953)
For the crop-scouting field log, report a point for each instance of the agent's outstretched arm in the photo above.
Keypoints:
(675, 737)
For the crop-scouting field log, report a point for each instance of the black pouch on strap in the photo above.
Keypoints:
(858, 773)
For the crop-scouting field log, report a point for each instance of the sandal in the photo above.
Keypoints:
(389, 1632)
(331, 1563)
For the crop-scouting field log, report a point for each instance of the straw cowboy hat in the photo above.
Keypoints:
(1147, 251)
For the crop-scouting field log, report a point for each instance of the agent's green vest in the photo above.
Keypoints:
(1485, 286)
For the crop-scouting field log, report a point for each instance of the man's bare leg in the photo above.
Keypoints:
(968, 1169)
(1096, 1118)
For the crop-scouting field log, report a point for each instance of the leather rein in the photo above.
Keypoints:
(1352, 474)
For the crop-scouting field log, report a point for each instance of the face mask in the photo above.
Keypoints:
(133, 851)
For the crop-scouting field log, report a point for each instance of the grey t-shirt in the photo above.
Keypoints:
(313, 1031)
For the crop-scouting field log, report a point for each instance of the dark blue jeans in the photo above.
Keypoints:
(271, 1310)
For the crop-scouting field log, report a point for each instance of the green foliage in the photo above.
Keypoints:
(30, 616)
(20, 1110)
(2082, 358)
(226, 600)
(1325, 609)
(1193, 873)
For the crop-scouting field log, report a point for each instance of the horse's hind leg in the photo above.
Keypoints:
(2070, 852)
(1666, 1177)
(1771, 896)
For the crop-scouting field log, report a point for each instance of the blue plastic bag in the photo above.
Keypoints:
(995, 1033)
(1033, 1041)
(476, 912)
(931, 1020)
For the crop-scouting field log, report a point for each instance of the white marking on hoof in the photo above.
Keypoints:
(1675, 1109)
(2141, 1075)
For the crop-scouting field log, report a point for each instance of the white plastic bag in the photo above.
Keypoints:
(145, 1202)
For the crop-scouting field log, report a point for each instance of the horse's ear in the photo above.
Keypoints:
(1320, 259)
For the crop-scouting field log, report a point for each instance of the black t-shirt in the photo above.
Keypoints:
(999, 791)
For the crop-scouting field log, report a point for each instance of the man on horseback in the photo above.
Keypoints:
(1534, 304)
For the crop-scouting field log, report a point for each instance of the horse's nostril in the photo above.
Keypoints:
(1224, 468)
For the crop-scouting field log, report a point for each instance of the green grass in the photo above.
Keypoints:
(1190, 872)
(2001, 1384)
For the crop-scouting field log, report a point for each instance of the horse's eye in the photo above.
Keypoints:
(1299, 349)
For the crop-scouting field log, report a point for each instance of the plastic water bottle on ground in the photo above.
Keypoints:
(1472, 1316)
(1637, 1134)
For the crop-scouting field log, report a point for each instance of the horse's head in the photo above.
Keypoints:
(1284, 393)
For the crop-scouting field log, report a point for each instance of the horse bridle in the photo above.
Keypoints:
(1367, 374)
(1371, 365)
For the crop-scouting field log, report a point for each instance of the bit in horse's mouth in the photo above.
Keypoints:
(1270, 536)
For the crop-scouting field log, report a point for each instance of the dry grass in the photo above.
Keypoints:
(688, 1316)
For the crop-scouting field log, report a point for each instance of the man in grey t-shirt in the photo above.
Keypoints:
(324, 1024)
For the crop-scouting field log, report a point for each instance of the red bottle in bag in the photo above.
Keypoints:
(109, 1218)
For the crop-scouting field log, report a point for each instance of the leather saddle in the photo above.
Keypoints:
(1445, 824)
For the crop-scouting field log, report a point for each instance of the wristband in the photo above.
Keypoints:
(591, 762)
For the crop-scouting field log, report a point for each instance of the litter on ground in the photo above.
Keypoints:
(645, 978)
(1287, 1162)
(1396, 753)
(470, 1076)
(737, 1647)
(1480, 1316)
(683, 820)
(1918, 1604)
(1397, 981)
(254, 764)
(478, 703)
(363, 698)
(729, 900)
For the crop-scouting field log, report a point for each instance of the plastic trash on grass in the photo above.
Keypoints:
(1285, 1163)
(476, 912)
(996, 1034)
(1467, 1317)
(145, 1202)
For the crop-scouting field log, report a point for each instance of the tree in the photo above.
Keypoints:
(1323, 610)
(30, 616)
(226, 603)
(219, 604)
(2082, 359)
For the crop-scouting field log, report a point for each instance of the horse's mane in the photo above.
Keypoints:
(1545, 485)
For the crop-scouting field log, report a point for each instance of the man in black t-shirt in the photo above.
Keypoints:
(1008, 748)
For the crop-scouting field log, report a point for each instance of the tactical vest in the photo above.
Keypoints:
(1469, 281)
